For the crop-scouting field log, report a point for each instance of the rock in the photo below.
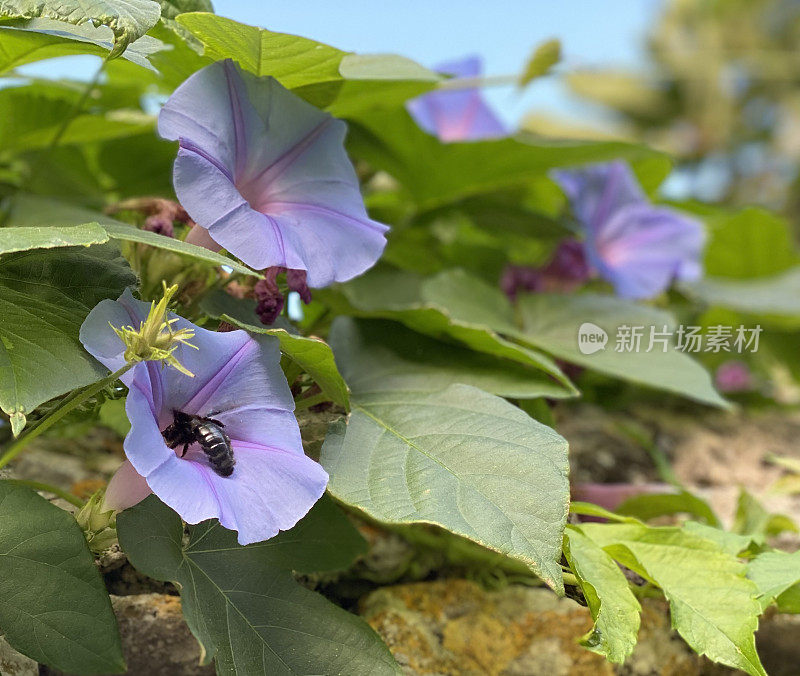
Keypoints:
(14, 664)
(456, 627)
(155, 638)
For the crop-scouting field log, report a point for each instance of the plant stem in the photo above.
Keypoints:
(570, 579)
(308, 402)
(55, 490)
(68, 405)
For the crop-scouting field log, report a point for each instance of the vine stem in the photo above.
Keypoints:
(70, 403)
(47, 488)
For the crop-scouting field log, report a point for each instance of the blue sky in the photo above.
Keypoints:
(503, 32)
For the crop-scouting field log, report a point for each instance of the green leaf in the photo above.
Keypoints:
(732, 543)
(380, 356)
(614, 608)
(311, 354)
(128, 19)
(436, 173)
(712, 603)
(325, 76)
(292, 60)
(462, 459)
(652, 505)
(53, 605)
(171, 8)
(776, 296)
(38, 39)
(23, 239)
(452, 304)
(243, 604)
(546, 55)
(551, 323)
(750, 243)
(30, 211)
(773, 573)
(44, 297)
(129, 233)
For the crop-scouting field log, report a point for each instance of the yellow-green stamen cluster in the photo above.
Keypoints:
(155, 339)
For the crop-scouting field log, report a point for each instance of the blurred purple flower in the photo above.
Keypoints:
(457, 114)
(566, 270)
(238, 381)
(733, 376)
(266, 174)
(638, 247)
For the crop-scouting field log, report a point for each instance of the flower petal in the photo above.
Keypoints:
(641, 249)
(269, 491)
(457, 115)
(267, 175)
(597, 191)
(126, 488)
(144, 446)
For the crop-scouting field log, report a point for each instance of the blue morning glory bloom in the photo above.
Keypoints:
(639, 247)
(239, 382)
(457, 114)
(266, 175)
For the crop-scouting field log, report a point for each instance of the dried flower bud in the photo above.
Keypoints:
(160, 224)
(296, 279)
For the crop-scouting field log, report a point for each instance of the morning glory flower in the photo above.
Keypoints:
(457, 114)
(267, 176)
(237, 380)
(639, 247)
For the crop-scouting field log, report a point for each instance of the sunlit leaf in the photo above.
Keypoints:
(551, 323)
(712, 603)
(128, 19)
(460, 458)
(614, 608)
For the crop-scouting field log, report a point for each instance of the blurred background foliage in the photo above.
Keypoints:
(721, 93)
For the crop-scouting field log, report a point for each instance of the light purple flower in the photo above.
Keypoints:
(238, 381)
(639, 247)
(457, 114)
(267, 175)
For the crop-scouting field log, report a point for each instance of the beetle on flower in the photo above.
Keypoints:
(232, 378)
(265, 175)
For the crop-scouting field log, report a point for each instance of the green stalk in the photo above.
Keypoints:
(69, 404)
(308, 402)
